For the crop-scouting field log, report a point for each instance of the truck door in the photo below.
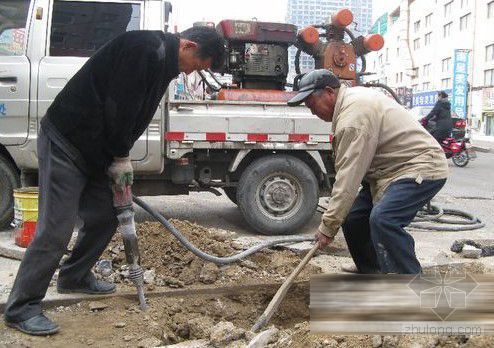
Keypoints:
(76, 30)
(14, 72)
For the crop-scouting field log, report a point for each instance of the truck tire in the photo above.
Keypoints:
(231, 193)
(9, 180)
(278, 194)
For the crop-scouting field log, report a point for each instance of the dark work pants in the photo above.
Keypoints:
(64, 193)
(441, 134)
(375, 234)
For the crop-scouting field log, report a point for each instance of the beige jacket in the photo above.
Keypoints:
(376, 140)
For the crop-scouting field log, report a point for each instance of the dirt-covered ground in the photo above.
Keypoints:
(169, 264)
(217, 320)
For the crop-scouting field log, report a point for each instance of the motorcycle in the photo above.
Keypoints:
(459, 150)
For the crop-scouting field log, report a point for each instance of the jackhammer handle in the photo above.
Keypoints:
(281, 293)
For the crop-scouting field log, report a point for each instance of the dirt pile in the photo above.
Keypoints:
(216, 321)
(171, 265)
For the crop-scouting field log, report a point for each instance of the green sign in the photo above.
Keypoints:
(381, 25)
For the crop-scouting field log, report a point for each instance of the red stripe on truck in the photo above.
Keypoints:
(215, 136)
(177, 136)
(298, 138)
(257, 137)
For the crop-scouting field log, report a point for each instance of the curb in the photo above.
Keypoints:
(9, 250)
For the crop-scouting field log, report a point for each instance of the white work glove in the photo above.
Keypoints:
(121, 172)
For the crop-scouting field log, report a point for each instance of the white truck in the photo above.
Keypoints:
(273, 161)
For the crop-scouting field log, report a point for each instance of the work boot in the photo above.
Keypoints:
(90, 285)
(38, 325)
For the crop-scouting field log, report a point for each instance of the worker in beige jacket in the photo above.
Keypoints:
(377, 144)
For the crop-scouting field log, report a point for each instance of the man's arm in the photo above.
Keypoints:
(126, 94)
(355, 152)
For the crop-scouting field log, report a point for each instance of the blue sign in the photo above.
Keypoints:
(460, 84)
(3, 110)
(428, 98)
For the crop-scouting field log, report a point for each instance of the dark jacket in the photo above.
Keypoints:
(111, 100)
(441, 114)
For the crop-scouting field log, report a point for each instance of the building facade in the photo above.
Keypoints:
(307, 12)
(433, 45)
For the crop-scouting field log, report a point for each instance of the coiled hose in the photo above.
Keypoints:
(431, 218)
(211, 258)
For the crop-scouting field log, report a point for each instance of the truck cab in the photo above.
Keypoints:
(202, 145)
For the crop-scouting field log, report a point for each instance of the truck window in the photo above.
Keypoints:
(13, 17)
(81, 28)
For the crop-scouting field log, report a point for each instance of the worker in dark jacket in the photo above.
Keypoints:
(85, 138)
(441, 115)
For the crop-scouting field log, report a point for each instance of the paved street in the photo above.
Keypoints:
(470, 188)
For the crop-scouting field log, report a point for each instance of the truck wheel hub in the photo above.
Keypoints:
(278, 194)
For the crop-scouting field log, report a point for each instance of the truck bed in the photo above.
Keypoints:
(241, 125)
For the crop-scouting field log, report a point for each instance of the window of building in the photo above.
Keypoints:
(446, 64)
(416, 44)
(415, 73)
(447, 8)
(446, 83)
(12, 34)
(428, 20)
(399, 77)
(427, 39)
(416, 26)
(490, 9)
(427, 69)
(81, 28)
(489, 53)
(464, 3)
(447, 29)
(489, 77)
(464, 22)
(397, 51)
(415, 88)
(426, 86)
(381, 59)
(387, 55)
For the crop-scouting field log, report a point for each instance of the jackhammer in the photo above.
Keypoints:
(122, 201)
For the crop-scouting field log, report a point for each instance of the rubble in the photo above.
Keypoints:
(176, 267)
(149, 276)
(209, 273)
(224, 333)
(263, 338)
(471, 252)
(200, 327)
(97, 306)
(204, 343)
(149, 342)
(377, 341)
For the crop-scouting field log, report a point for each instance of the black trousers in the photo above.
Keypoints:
(65, 192)
(375, 234)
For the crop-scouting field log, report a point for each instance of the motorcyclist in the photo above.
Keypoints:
(441, 115)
